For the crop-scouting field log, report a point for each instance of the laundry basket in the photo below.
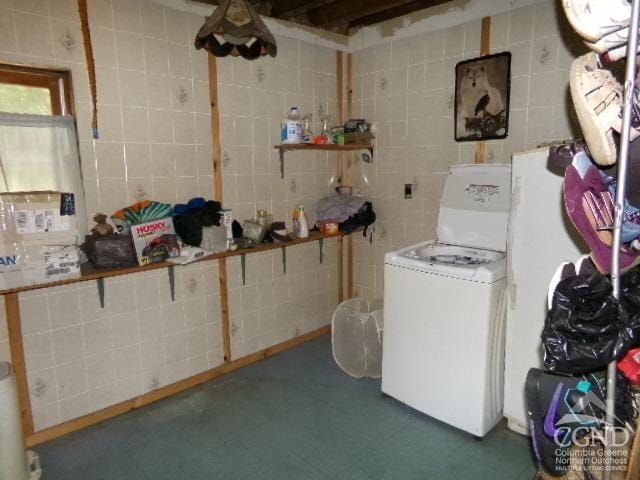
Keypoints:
(356, 337)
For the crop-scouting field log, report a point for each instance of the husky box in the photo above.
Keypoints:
(155, 241)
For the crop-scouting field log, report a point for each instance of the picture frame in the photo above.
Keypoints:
(482, 95)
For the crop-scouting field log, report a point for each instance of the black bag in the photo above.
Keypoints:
(587, 328)
(365, 217)
(111, 251)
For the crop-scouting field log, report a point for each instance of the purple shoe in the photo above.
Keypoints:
(592, 217)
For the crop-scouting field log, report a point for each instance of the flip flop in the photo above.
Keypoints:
(590, 216)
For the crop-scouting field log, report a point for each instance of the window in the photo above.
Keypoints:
(38, 141)
(36, 91)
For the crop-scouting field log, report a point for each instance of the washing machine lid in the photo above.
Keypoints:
(474, 209)
(485, 266)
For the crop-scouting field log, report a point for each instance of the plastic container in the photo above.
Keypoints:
(356, 337)
(300, 224)
(291, 127)
(15, 463)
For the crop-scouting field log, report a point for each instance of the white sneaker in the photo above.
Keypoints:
(611, 41)
(597, 98)
(593, 19)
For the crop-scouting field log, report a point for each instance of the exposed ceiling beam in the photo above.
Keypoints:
(345, 12)
(262, 7)
(292, 8)
(396, 12)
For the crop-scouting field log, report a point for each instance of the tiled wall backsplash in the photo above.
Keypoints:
(155, 142)
(407, 88)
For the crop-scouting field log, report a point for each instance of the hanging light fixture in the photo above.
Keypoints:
(234, 28)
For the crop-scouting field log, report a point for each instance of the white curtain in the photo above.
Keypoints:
(40, 152)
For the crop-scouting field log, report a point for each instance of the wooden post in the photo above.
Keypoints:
(217, 189)
(339, 113)
(485, 49)
(351, 181)
(340, 121)
(215, 128)
(12, 309)
(224, 309)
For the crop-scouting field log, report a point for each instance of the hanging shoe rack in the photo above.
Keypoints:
(623, 158)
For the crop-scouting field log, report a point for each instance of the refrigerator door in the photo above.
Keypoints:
(540, 237)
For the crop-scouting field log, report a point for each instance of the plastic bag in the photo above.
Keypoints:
(112, 251)
(587, 327)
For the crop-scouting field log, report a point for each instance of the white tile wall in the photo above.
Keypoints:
(155, 142)
(407, 88)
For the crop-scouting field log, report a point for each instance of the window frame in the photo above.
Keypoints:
(57, 81)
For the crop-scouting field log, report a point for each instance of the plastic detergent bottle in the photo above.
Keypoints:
(291, 127)
(300, 225)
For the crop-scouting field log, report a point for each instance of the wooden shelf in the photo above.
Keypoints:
(327, 147)
(89, 273)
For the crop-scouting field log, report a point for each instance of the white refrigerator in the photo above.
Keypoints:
(540, 238)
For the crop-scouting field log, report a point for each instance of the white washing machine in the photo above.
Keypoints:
(445, 303)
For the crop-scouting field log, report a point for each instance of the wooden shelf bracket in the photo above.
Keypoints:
(320, 246)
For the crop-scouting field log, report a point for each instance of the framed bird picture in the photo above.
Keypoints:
(483, 87)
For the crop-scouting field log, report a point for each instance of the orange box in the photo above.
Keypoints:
(329, 227)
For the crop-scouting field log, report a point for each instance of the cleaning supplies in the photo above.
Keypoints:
(291, 127)
(300, 225)
(307, 134)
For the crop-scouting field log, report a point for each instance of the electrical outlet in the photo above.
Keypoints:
(408, 190)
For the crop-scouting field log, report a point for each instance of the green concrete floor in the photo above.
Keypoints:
(295, 416)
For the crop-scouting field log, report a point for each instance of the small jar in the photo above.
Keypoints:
(261, 217)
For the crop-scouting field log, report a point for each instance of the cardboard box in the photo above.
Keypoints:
(155, 241)
(39, 216)
(23, 264)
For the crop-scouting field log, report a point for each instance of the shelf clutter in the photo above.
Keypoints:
(89, 273)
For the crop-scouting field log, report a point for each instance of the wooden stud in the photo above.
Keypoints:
(351, 180)
(340, 113)
(218, 195)
(479, 155)
(340, 270)
(90, 61)
(341, 173)
(349, 85)
(215, 128)
(224, 309)
(485, 49)
(485, 36)
(12, 309)
(79, 423)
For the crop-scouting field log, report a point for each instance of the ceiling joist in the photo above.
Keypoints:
(399, 11)
(344, 12)
(337, 15)
(285, 9)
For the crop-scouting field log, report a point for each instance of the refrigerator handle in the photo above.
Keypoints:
(516, 192)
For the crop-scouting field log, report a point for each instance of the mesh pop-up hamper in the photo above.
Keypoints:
(356, 337)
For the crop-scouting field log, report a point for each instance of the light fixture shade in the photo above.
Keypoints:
(234, 28)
